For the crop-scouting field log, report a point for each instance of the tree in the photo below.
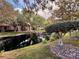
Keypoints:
(6, 12)
(68, 10)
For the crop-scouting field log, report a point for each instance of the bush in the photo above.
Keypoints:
(44, 42)
(62, 27)
(34, 38)
(53, 37)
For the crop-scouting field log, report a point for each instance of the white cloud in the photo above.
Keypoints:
(19, 10)
(44, 13)
(48, 13)
(55, 7)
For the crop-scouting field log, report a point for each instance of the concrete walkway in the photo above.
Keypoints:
(67, 51)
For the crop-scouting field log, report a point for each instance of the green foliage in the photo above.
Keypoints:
(45, 42)
(53, 37)
(63, 27)
(10, 33)
(67, 11)
(6, 12)
(37, 20)
(34, 38)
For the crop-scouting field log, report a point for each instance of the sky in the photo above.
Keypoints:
(46, 14)
(19, 5)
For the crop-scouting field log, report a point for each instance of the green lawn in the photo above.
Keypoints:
(6, 34)
(41, 51)
(11, 33)
(73, 42)
(38, 51)
(67, 38)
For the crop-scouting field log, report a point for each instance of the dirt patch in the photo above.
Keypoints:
(9, 55)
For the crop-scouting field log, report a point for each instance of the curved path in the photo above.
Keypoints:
(67, 51)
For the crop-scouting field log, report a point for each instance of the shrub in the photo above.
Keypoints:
(44, 42)
(62, 27)
(34, 38)
(53, 37)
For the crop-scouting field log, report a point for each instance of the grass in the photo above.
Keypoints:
(73, 42)
(67, 35)
(6, 34)
(67, 38)
(11, 33)
(38, 51)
